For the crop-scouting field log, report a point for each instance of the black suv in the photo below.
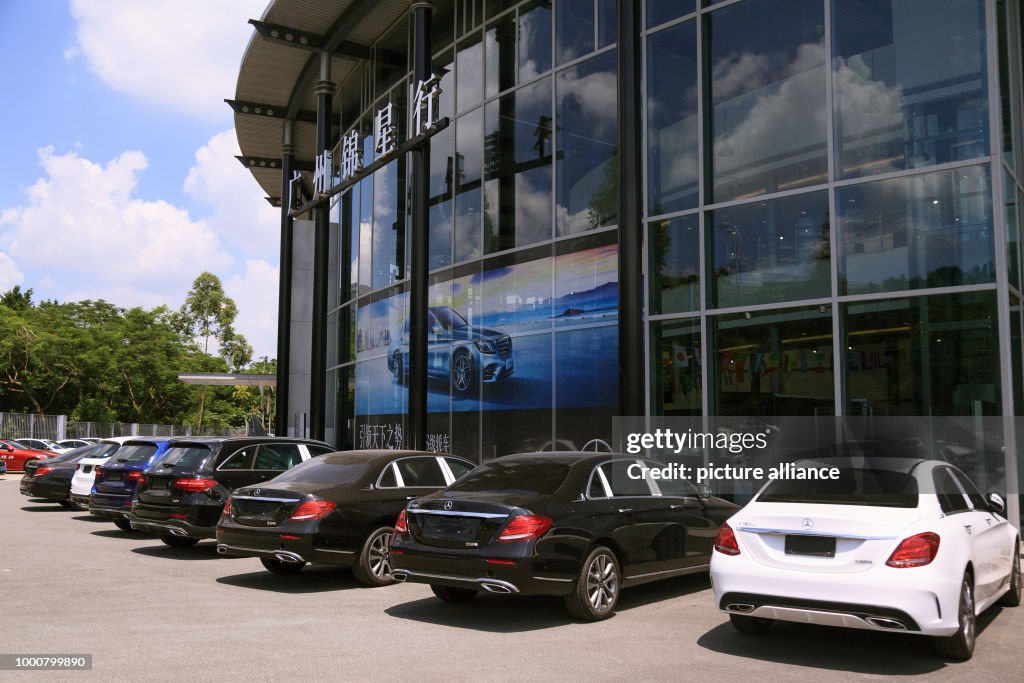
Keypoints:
(180, 497)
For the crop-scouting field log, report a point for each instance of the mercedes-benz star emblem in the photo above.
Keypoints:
(808, 524)
(257, 492)
(448, 505)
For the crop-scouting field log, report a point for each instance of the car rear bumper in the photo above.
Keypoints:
(80, 500)
(171, 527)
(916, 600)
(477, 573)
(34, 488)
(105, 509)
(232, 542)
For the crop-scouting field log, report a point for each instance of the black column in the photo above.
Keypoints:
(284, 287)
(420, 248)
(324, 89)
(631, 305)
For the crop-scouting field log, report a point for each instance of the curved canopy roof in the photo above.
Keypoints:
(280, 65)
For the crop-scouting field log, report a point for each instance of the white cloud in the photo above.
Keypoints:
(180, 54)
(255, 292)
(82, 234)
(9, 273)
(240, 213)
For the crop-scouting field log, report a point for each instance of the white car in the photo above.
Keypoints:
(899, 545)
(43, 444)
(85, 471)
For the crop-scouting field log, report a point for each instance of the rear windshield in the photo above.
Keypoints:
(136, 453)
(184, 456)
(327, 469)
(104, 450)
(872, 488)
(514, 477)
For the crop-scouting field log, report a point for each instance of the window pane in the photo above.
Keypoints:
(1011, 211)
(586, 386)
(365, 235)
(574, 30)
(241, 460)
(770, 251)
(607, 27)
(534, 39)
(775, 363)
(951, 498)
(468, 172)
(588, 187)
(934, 355)
(767, 69)
(517, 168)
(931, 230)
(500, 45)
(660, 11)
(617, 474)
(674, 265)
(278, 457)
(442, 191)
(469, 66)
(387, 478)
(421, 472)
(389, 224)
(672, 116)
(459, 468)
(676, 385)
(909, 84)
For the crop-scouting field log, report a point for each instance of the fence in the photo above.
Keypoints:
(57, 427)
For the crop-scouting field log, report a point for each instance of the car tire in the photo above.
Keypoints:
(397, 369)
(750, 625)
(463, 372)
(78, 506)
(960, 645)
(1011, 598)
(123, 524)
(597, 588)
(373, 568)
(66, 504)
(179, 541)
(453, 595)
(275, 566)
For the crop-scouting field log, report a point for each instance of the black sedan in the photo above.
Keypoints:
(51, 479)
(580, 526)
(336, 509)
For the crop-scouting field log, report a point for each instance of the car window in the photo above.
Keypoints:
(338, 468)
(535, 477)
(136, 452)
(319, 450)
(240, 460)
(16, 444)
(459, 468)
(184, 456)
(596, 488)
(951, 498)
(973, 494)
(421, 472)
(387, 478)
(673, 487)
(617, 474)
(278, 457)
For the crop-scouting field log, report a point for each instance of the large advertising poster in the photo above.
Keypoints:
(490, 341)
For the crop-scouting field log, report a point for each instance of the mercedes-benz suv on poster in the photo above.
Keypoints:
(467, 354)
(893, 544)
(336, 509)
(573, 525)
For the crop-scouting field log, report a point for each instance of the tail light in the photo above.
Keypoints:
(78, 467)
(227, 508)
(43, 470)
(915, 551)
(136, 476)
(98, 472)
(312, 509)
(195, 485)
(524, 528)
(725, 540)
(401, 526)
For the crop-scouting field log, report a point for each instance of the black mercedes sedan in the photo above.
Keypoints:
(336, 509)
(51, 478)
(580, 526)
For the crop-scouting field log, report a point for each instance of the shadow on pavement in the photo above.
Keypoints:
(91, 518)
(45, 508)
(203, 551)
(315, 579)
(511, 614)
(834, 649)
(124, 535)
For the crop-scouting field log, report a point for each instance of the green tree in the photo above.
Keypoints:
(16, 300)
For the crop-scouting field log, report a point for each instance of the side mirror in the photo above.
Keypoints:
(705, 491)
(996, 503)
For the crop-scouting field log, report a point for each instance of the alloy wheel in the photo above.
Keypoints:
(967, 621)
(602, 583)
(380, 555)
(463, 372)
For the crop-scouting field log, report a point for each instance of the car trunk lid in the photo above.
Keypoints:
(463, 520)
(264, 507)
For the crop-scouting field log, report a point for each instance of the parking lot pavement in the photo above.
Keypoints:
(73, 584)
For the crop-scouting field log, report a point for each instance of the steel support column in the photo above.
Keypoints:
(284, 287)
(324, 89)
(418, 282)
(631, 305)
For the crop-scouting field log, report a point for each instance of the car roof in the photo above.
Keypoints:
(571, 458)
(904, 465)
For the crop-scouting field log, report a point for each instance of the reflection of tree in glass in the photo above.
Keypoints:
(604, 202)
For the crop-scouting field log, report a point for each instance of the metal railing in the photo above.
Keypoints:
(57, 427)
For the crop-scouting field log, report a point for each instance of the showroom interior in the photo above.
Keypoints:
(665, 208)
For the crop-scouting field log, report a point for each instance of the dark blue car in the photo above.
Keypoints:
(118, 479)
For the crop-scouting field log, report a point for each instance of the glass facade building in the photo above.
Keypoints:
(830, 194)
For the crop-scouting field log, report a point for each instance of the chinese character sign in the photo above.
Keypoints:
(426, 104)
(323, 172)
(384, 131)
(351, 155)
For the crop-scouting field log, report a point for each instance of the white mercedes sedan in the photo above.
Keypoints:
(900, 545)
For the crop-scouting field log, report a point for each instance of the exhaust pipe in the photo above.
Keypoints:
(399, 576)
(291, 558)
(222, 549)
(886, 623)
(495, 588)
(741, 607)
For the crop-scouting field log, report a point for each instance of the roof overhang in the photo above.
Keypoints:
(226, 379)
(280, 66)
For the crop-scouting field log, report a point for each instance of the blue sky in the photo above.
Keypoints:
(118, 180)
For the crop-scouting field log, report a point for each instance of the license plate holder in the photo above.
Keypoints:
(817, 546)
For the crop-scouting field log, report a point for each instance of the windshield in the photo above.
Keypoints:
(136, 452)
(872, 488)
(327, 469)
(184, 456)
(448, 318)
(514, 477)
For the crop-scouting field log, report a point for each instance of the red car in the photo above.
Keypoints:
(16, 454)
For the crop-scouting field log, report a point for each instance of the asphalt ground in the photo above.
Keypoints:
(74, 584)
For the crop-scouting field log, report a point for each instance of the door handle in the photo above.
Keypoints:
(626, 511)
(968, 527)
(411, 497)
(675, 507)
